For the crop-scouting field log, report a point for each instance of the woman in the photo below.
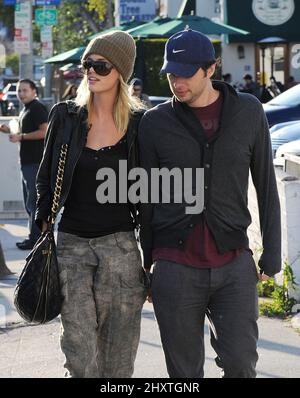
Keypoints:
(100, 266)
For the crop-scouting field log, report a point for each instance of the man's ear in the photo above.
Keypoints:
(211, 70)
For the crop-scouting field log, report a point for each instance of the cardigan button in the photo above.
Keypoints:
(207, 165)
(180, 242)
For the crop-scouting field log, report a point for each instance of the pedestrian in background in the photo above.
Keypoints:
(70, 92)
(251, 86)
(100, 265)
(29, 132)
(136, 89)
(202, 263)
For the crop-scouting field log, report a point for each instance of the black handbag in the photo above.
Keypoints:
(38, 296)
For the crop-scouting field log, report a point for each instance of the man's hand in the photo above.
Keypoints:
(4, 128)
(15, 137)
(148, 277)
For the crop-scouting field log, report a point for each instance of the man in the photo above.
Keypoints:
(32, 126)
(136, 89)
(251, 86)
(202, 262)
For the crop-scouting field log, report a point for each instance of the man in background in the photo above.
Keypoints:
(30, 133)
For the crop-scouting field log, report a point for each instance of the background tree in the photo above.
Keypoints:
(78, 20)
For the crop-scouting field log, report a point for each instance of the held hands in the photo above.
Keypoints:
(148, 277)
(262, 277)
(44, 226)
(15, 137)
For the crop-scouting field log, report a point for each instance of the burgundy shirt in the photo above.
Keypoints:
(200, 249)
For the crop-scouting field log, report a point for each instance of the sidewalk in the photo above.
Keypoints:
(33, 351)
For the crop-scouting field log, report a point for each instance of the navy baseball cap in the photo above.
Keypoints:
(186, 52)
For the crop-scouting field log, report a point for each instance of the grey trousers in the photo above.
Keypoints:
(103, 289)
(183, 295)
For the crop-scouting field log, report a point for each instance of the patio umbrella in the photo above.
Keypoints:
(71, 56)
(74, 55)
(166, 27)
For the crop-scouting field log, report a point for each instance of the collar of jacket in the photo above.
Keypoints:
(190, 121)
(74, 108)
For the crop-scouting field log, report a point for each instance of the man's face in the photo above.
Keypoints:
(190, 89)
(25, 93)
(137, 90)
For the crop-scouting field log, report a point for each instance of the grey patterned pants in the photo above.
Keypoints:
(103, 290)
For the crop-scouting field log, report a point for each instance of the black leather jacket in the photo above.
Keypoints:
(46, 176)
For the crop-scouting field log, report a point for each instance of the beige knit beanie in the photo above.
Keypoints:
(118, 48)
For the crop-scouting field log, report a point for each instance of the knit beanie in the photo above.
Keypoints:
(118, 48)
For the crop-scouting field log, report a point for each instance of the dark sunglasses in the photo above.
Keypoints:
(102, 68)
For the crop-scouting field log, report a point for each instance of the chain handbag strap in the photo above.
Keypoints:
(59, 182)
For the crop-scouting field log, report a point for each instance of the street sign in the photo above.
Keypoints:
(23, 20)
(22, 16)
(47, 2)
(22, 41)
(46, 33)
(141, 10)
(46, 41)
(37, 2)
(46, 16)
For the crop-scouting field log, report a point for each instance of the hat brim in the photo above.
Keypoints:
(179, 69)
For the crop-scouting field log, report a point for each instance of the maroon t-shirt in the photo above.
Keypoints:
(200, 249)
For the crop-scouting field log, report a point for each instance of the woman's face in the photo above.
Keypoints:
(98, 84)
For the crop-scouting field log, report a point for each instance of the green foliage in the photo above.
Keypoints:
(282, 304)
(12, 61)
(99, 6)
(266, 288)
(7, 16)
(149, 61)
(75, 25)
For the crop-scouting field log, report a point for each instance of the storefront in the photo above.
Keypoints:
(273, 46)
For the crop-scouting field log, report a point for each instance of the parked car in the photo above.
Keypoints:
(9, 100)
(285, 107)
(278, 126)
(284, 135)
(292, 148)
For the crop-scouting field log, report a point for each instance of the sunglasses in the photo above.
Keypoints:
(102, 68)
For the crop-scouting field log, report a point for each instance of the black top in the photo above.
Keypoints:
(170, 135)
(83, 215)
(31, 117)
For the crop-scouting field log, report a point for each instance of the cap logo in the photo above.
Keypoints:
(177, 51)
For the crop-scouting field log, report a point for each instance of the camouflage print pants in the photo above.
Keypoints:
(103, 290)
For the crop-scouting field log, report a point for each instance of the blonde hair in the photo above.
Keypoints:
(125, 104)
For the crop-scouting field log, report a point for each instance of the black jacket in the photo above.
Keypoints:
(46, 176)
(171, 136)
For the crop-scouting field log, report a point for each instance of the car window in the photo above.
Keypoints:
(290, 97)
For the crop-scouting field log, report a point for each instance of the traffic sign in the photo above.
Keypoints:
(47, 2)
(46, 16)
(37, 2)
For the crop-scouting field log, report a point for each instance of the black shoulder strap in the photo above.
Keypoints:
(65, 123)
